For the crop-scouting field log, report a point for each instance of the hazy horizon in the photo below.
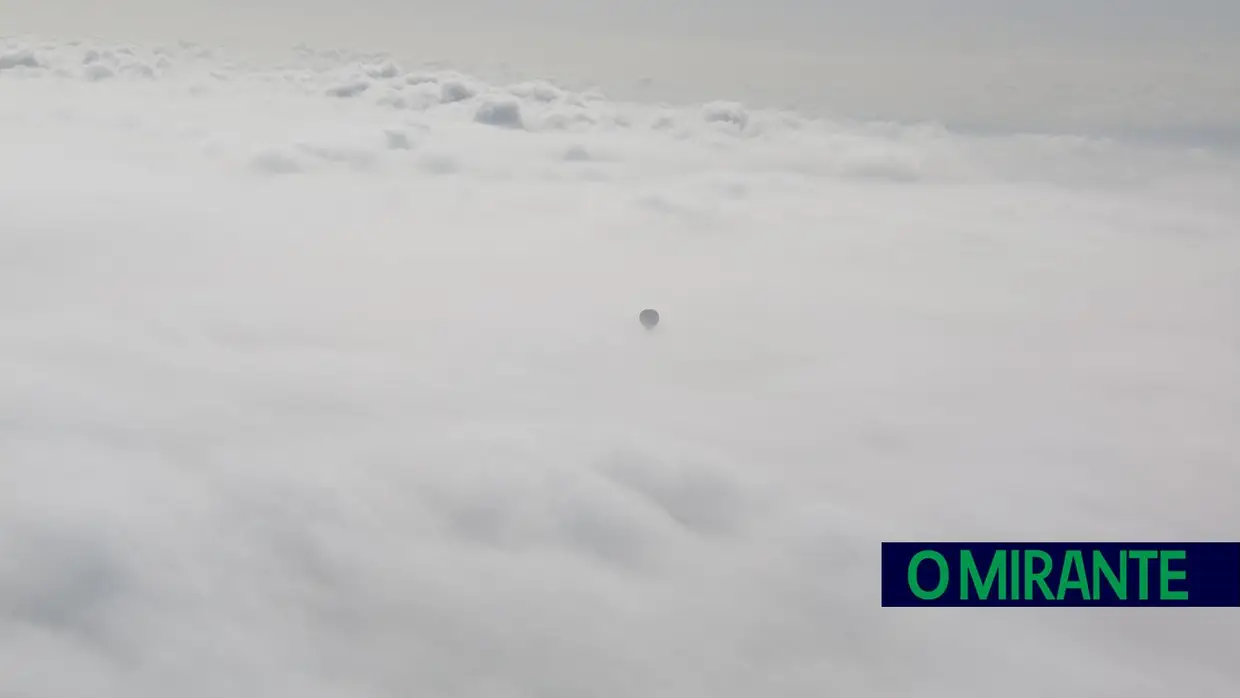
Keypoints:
(1145, 69)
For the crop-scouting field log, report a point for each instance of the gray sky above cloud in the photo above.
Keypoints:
(854, 21)
(1137, 66)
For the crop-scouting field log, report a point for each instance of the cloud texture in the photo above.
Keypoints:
(324, 378)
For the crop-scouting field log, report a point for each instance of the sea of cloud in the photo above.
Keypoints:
(325, 379)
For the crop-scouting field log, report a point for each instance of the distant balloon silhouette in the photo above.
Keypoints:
(649, 318)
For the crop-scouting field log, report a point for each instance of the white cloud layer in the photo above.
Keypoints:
(325, 379)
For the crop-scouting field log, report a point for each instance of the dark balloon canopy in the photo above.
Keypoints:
(649, 318)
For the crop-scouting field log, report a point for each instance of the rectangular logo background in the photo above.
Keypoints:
(1061, 574)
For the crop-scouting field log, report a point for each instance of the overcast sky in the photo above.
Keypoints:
(1135, 65)
(740, 20)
